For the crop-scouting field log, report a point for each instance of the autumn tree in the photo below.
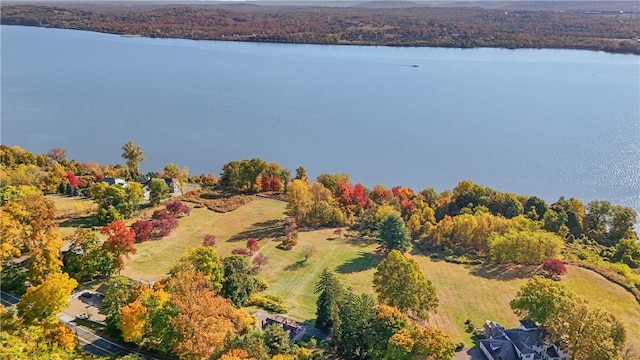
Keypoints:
(115, 298)
(330, 293)
(202, 259)
(177, 208)
(43, 302)
(143, 230)
(554, 266)
(252, 245)
(133, 321)
(209, 240)
(133, 155)
(421, 343)
(540, 299)
(301, 174)
(57, 154)
(524, 247)
(387, 322)
(203, 318)
(30, 223)
(119, 243)
(398, 281)
(394, 234)
(259, 259)
(586, 331)
(299, 200)
(158, 190)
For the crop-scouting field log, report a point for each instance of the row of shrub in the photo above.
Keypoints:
(271, 303)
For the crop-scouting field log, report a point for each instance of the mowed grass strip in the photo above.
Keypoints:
(155, 258)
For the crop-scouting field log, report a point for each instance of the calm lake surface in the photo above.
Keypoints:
(537, 122)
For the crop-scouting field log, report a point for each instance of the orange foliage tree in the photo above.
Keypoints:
(120, 240)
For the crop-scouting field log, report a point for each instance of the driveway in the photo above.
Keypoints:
(91, 306)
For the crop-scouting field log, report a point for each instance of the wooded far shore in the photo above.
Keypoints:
(601, 26)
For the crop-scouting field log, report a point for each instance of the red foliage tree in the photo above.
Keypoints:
(344, 194)
(209, 240)
(73, 180)
(99, 177)
(119, 242)
(554, 266)
(143, 230)
(177, 208)
(252, 245)
(163, 223)
(240, 251)
(275, 184)
(359, 196)
(259, 259)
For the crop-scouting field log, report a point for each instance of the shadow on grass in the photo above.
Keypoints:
(85, 222)
(296, 265)
(259, 230)
(363, 262)
(504, 272)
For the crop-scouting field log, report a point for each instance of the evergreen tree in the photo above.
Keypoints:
(351, 326)
(394, 234)
(330, 291)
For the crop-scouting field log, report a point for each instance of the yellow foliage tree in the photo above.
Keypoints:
(133, 322)
(283, 357)
(236, 354)
(43, 302)
(61, 335)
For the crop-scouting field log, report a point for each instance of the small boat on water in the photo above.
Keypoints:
(414, 65)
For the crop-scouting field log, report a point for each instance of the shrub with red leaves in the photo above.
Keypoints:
(554, 266)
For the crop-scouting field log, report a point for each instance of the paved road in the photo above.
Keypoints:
(8, 300)
(90, 342)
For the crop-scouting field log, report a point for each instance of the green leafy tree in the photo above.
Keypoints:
(350, 329)
(43, 302)
(276, 339)
(133, 154)
(540, 299)
(86, 257)
(158, 190)
(394, 234)
(398, 281)
(204, 259)
(587, 332)
(116, 297)
(238, 283)
(330, 291)
(301, 174)
(524, 247)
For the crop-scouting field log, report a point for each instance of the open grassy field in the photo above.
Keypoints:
(256, 219)
(477, 293)
(71, 206)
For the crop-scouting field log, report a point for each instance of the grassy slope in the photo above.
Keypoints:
(155, 258)
(464, 292)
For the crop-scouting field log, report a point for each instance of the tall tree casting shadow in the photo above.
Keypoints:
(260, 230)
(363, 262)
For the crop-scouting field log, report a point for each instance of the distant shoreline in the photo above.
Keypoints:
(460, 27)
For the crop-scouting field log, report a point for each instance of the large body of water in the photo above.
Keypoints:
(537, 122)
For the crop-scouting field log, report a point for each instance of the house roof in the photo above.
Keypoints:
(528, 324)
(292, 327)
(500, 348)
(525, 340)
(552, 353)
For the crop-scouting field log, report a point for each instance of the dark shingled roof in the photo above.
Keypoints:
(500, 348)
(528, 324)
(551, 352)
(524, 340)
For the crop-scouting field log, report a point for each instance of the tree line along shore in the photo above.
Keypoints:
(614, 31)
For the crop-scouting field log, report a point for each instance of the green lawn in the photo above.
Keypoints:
(256, 219)
(477, 293)
(353, 262)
